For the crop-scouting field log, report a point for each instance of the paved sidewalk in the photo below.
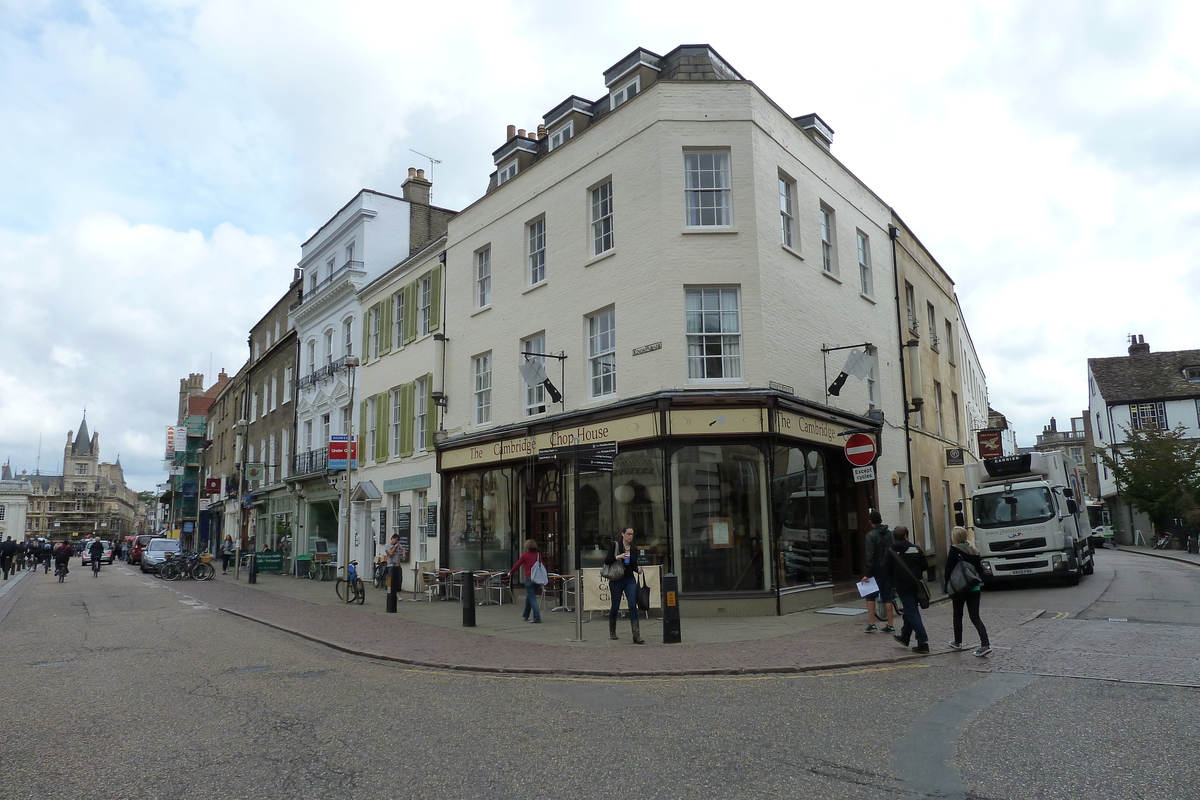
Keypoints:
(1173, 555)
(432, 635)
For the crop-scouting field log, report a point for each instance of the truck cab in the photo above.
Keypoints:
(1027, 520)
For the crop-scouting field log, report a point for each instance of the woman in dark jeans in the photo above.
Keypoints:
(624, 552)
(963, 551)
(226, 552)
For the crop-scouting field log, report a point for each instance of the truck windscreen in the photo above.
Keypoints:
(1019, 507)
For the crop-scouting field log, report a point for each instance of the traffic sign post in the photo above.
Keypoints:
(860, 450)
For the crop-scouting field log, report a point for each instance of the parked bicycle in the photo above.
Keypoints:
(351, 588)
(186, 565)
(380, 574)
(1163, 541)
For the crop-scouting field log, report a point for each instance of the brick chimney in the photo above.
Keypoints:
(417, 188)
(1137, 345)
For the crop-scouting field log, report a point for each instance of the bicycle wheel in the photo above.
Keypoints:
(168, 572)
(95, 568)
(380, 578)
(204, 572)
(341, 587)
(360, 591)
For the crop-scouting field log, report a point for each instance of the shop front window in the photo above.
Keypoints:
(631, 496)
(484, 520)
(720, 513)
(801, 527)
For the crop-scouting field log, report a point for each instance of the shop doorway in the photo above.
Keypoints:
(544, 515)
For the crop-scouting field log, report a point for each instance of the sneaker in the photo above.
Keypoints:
(888, 629)
(923, 647)
(957, 646)
(871, 629)
(982, 651)
(900, 639)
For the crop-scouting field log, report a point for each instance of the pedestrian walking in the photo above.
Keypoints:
(226, 552)
(8, 551)
(906, 564)
(624, 552)
(961, 550)
(528, 560)
(879, 542)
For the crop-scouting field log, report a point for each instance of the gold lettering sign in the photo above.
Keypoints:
(810, 429)
(641, 426)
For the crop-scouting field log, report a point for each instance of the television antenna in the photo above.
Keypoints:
(432, 162)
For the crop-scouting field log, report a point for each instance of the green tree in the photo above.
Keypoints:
(1158, 472)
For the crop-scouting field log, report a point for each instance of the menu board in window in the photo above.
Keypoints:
(431, 520)
(403, 529)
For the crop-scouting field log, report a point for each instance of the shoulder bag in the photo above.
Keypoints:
(922, 586)
(614, 571)
(643, 593)
(537, 573)
(962, 579)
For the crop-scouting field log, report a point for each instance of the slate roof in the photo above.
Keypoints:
(1145, 376)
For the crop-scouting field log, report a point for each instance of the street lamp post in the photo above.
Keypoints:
(351, 363)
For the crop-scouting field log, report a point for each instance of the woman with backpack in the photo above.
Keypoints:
(528, 560)
(963, 552)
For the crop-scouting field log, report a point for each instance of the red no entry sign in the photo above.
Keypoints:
(860, 450)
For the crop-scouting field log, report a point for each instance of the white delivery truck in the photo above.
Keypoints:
(1027, 519)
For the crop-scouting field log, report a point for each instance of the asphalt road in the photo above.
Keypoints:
(123, 686)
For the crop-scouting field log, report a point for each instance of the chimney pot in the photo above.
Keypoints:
(420, 174)
(521, 132)
(512, 131)
(541, 131)
(412, 172)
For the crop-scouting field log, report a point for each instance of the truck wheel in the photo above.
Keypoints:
(1090, 567)
(1073, 578)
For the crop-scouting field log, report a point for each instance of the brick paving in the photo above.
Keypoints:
(432, 635)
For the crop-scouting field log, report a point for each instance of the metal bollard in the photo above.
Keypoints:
(252, 571)
(393, 583)
(670, 606)
(468, 599)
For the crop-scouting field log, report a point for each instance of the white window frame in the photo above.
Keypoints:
(348, 336)
(602, 354)
(628, 91)
(308, 435)
(602, 218)
(398, 320)
(865, 283)
(506, 173)
(535, 243)
(396, 421)
(420, 413)
(828, 220)
(483, 277)
(931, 313)
(328, 340)
(1148, 416)
(703, 306)
(349, 252)
(561, 135)
(325, 429)
(287, 385)
(483, 388)
(372, 429)
(787, 211)
(707, 189)
(535, 396)
(425, 309)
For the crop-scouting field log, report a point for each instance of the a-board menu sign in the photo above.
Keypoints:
(403, 528)
(431, 520)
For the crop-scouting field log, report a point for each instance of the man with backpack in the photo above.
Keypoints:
(907, 564)
(879, 543)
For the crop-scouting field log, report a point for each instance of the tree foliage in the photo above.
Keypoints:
(1158, 472)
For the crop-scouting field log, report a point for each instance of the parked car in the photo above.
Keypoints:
(87, 555)
(135, 547)
(1101, 534)
(155, 552)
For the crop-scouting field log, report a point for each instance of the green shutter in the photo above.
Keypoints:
(430, 413)
(435, 300)
(366, 332)
(406, 419)
(411, 295)
(361, 435)
(385, 327)
(381, 428)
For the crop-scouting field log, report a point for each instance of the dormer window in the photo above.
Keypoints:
(1191, 374)
(627, 91)
(507, 173)
(562, 135)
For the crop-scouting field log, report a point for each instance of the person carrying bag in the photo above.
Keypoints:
(623, 556)
(906, 562)
(963, 585)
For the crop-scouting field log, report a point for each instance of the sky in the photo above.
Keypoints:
(161, 162)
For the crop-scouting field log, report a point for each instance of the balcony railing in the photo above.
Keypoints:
(337, 275)
(322, 374)
(310, 461)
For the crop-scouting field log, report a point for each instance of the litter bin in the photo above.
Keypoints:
(303, 565)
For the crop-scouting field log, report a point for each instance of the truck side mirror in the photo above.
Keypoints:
(958, 506)
(1072, 506)
(959, 519)
(1068, 492)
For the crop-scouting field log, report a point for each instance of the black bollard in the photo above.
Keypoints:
(393, 583)
(252, 572)
(468, 599)
(670, 606)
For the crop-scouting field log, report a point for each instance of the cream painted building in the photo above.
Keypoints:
(691, 267)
